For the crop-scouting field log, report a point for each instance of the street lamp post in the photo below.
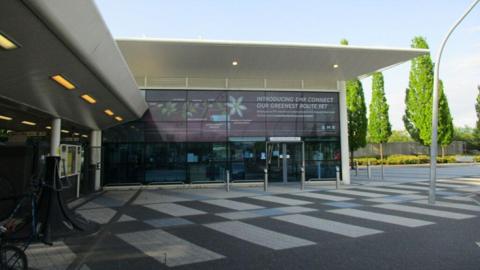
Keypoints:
(434, 142)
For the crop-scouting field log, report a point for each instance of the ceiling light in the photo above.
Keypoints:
(63, 82)
(235, 63)
(85, 136)
(108, 112)
(118, 118)
(5, 118)
(6, 43)
(29, 123)
(65, 131)
(88, 99)
(335, 66)
(76, 134)
(48, 127)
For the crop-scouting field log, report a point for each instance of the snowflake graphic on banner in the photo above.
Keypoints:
(236, 106)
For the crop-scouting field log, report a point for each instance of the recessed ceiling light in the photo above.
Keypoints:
(85, 136)
(63, 82)
(76, 134)
(335, 66)
(29, 123)
(118, 118)
(65, 131)
(88, 99)
(6, 43)
(234, 63)
(108, 112)
(5, 118)
(48, 127)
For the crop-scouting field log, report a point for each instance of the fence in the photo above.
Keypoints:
(408, 148)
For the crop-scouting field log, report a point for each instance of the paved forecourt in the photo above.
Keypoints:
(198, 229)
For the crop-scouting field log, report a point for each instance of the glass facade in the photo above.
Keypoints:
(194, 136)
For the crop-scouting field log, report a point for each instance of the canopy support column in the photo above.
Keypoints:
(55, 137)
(96, 157)
(344, 132)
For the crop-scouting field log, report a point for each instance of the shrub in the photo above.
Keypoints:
(476, 159)
(407, 159)
(446, 159)
(404, 159)
(364, 161)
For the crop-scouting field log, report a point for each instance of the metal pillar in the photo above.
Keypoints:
(228, 181)
(344, 132)
(96, 155)
(337, 182)
(55, 137)
(434, 142)
(265, 181)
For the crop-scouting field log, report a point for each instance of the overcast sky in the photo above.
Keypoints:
(367, 22)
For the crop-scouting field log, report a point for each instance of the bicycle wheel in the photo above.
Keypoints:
(13, 258)
(7, 198)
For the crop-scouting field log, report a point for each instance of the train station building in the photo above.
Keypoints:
(157, 111)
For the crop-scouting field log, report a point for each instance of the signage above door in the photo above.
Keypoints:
(285, 139)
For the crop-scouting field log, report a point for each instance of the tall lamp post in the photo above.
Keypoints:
(434, 143)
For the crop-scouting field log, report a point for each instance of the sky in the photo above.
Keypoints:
(389, 23)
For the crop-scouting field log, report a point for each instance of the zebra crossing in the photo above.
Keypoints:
(354, 212)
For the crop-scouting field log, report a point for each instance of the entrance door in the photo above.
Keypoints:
(284, 161)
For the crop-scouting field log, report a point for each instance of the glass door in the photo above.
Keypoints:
(274, 162)
(284, 161)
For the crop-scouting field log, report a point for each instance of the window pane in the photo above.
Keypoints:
(165, 162)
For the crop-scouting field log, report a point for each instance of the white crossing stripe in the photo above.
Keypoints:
(459, 198)
(281, 200)
(175, 210)
(390, 190)
(328, 225)
(405, 186)
(443, 185)
(258, 236)
(402, 221)
(469, 189)
(358, 193)
(240, 206)
(469, 179)
(159, 244)
(464, 182)
(322, 196)
(424, 211)
(398, 198)
(238, 215)
(461, 206)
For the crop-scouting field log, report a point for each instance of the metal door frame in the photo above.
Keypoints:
(302, 169)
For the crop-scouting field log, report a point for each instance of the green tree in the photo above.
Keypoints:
(400, 136)
(379, 127)
(357, 114)
(418, 110)
(477, 109)
(445, 121)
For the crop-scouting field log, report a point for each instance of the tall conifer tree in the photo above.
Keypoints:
(418, 109)
(445, 121)
(379, 127)
(418, 101)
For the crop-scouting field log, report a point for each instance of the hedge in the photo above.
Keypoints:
(405, 159)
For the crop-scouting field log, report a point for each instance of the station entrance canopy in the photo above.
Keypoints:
(67, 41)
(160, 63)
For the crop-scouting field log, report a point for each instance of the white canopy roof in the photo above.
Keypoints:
(165, 63)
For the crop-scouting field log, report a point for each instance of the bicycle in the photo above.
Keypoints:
(16, 212)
